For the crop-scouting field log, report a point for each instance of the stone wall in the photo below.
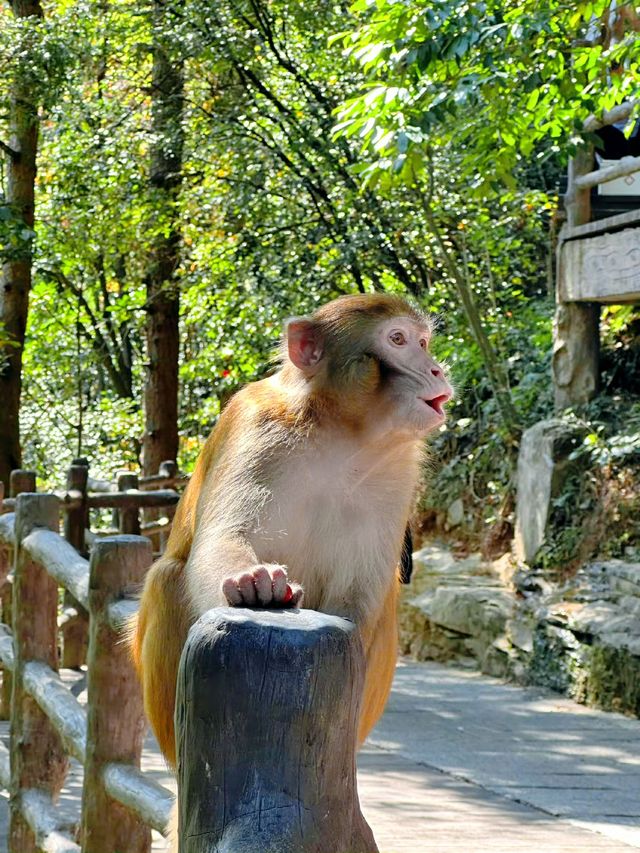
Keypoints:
(582, 638)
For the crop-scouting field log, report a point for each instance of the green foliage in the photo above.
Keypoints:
(488, 81)
(15, 238)
(277, 214)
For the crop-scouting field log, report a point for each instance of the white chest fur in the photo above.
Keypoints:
(339, 530)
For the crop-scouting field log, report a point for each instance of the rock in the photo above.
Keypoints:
(530, 582)
(455, 513)
(435, 560)
(505, 569)
(581, 638)
(474, 611)
(623, 577)
(452, 608)
(543, 466)
(520, 632)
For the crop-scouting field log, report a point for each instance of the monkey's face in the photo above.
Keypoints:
(414, 385)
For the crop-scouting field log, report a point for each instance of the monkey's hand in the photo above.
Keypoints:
(262, 586)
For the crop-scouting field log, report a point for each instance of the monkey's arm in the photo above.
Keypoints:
(223, 567)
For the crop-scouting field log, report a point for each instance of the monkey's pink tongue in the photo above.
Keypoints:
(437, 403)
(288, 595)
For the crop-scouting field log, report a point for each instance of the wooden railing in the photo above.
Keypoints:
(596, 264)
(582, 176)
(48, 724)
(129, 497)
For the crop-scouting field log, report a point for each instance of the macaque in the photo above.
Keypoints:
(302, 493)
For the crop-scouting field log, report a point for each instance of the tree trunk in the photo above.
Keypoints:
(163, 297)
(16, 271)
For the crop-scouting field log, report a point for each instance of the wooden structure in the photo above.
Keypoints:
(598, 263)
(127, 497)
(267, 719)
(47, 722)
(287, 767)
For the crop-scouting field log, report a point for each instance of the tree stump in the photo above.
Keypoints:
(266, 722)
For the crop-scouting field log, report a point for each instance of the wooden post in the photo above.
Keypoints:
(576, 353)
(75, 521)
(577, 202)
(6, 582)
(168, 468)
(38, 757)
(129, 520)
(115, 723)
(266, 722)
(21, 481)
(6, 589)
(576, 327)
(75, 623)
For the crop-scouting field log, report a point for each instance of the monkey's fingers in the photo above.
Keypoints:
(264, 585)
(295, 594)
(231, 592)
(248, 589)
(279, 584)
(240, 590)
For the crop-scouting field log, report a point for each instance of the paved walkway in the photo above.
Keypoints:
(463, 763)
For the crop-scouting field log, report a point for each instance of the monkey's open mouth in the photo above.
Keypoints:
(437, 403)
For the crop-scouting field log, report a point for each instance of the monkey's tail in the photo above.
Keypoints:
(158, 634)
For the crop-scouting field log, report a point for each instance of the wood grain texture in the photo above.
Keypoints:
(38, 756)
(63, 562)
(115, 723)
(266, 716)
(138, 792)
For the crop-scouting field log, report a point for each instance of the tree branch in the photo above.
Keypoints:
(9, 151)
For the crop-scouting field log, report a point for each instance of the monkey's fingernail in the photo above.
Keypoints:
(288, 595)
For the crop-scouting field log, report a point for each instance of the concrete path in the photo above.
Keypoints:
(463, 763)
(490, 766)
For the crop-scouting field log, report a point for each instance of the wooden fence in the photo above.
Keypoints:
(48, 724)
(129, 497)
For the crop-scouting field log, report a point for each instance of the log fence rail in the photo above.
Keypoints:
(128, 498)
(47, 722)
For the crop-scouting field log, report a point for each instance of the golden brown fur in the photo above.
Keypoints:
(315, 469)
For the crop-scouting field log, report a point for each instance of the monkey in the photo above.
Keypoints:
(302, 493)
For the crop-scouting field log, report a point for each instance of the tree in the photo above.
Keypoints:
(482, 87)
(18, 208)
(163, 292)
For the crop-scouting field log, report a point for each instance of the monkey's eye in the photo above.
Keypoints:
(423, 344)
(397, 338)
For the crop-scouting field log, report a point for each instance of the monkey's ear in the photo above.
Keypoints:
(304, 344)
